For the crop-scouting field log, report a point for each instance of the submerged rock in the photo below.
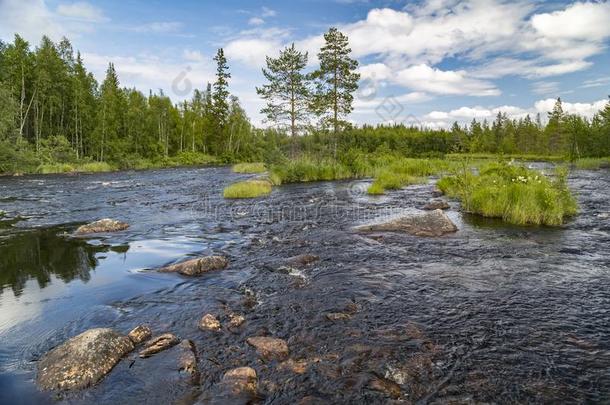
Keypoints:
(434, 223)
(139, 334)
(196, 267)
(437, 193)
(381, 384)
(158, 344)
(240, 381)
(437, 205)
(209, 322)
(187, 359)
(338, 316)
(102, 226)
(83, 360)
(269, 348)
(303, 260)
(236, 320)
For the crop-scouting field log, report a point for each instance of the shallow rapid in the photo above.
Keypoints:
(492, 313)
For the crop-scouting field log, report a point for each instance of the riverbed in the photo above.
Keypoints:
(492, 313)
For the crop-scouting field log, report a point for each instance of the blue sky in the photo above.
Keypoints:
(430, 61)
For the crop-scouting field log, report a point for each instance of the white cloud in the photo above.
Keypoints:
(599, 82)
(30, 19)
(546, 88)
(425, 78)
(194, 56)
(256, 21)
(267, 12)
(464, 115)
(161, 27)
(581, 21)
(150, 72)
(82, 11)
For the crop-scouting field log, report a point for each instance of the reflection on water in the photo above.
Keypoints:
(42, 253)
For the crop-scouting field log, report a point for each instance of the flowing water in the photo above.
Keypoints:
(493, 313)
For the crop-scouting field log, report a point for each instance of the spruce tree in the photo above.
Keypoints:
(335, 81)
(286, 92)
(221, 93)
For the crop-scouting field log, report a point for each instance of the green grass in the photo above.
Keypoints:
(389, 180)
(592, 163)
(249, 168)
(95, 167)
(248, 189)
(517, 195)
(492, 156)
(306, 170)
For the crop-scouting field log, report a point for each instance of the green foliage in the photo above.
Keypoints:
(247, 189)
(517, 195)
(249, 168)
(593, 163)
(307, 169)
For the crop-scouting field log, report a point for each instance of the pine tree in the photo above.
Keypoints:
(111, 112)
(287, 92)
(335, 81)
(554, 129)
(221, 93)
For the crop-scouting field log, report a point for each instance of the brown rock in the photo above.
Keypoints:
(383, 385)
(139, 334)
(196, 267)
(102, 226)
(209, 322)
(187, 359)
(437, 193)
(296, 366)
(303, 260)
(337, 316)
(236, 320)
(269, 348)
(433, 223)
(158, 344)
(436, 205)
(83, 360)
(240, 381)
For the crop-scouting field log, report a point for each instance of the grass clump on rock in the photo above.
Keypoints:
(249, 168)
(517, 195)
(248, 189)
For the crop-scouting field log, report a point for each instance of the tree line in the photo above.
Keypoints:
(53, 110)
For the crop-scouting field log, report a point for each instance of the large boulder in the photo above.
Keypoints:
(269, 348)
(433, 223)
(196, 267)
(102, 226)
(83, 360)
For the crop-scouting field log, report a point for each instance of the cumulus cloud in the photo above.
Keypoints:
(82, 11)
(464, 115)
(580, 21)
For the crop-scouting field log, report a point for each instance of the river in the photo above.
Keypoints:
(492, 313)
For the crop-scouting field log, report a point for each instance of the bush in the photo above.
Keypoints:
(248, 189)
(249, 168)
(517, 195)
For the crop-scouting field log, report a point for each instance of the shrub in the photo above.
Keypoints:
(248, 189)
(249, 168)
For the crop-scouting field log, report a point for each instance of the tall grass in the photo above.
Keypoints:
(593, 163)
(306, 170)
(249, 168)
(517, 195)
(54, 168)
(247, 189)
(398, 173)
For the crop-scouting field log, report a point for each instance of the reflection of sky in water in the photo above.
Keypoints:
(117, 275)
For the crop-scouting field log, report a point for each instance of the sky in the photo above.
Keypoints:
(426, 62)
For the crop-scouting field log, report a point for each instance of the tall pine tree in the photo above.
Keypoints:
(335, 81)
(286, 92)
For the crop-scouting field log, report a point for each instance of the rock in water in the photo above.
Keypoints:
(83, 360)
(158, 344)
(209, 322)
(269, 348)
(236, 320)
(187, 359)
(102, 226)
(303, 260)
(437, 205)
(240, 381)
(434, 223)
(196, 267)
(139, 334)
